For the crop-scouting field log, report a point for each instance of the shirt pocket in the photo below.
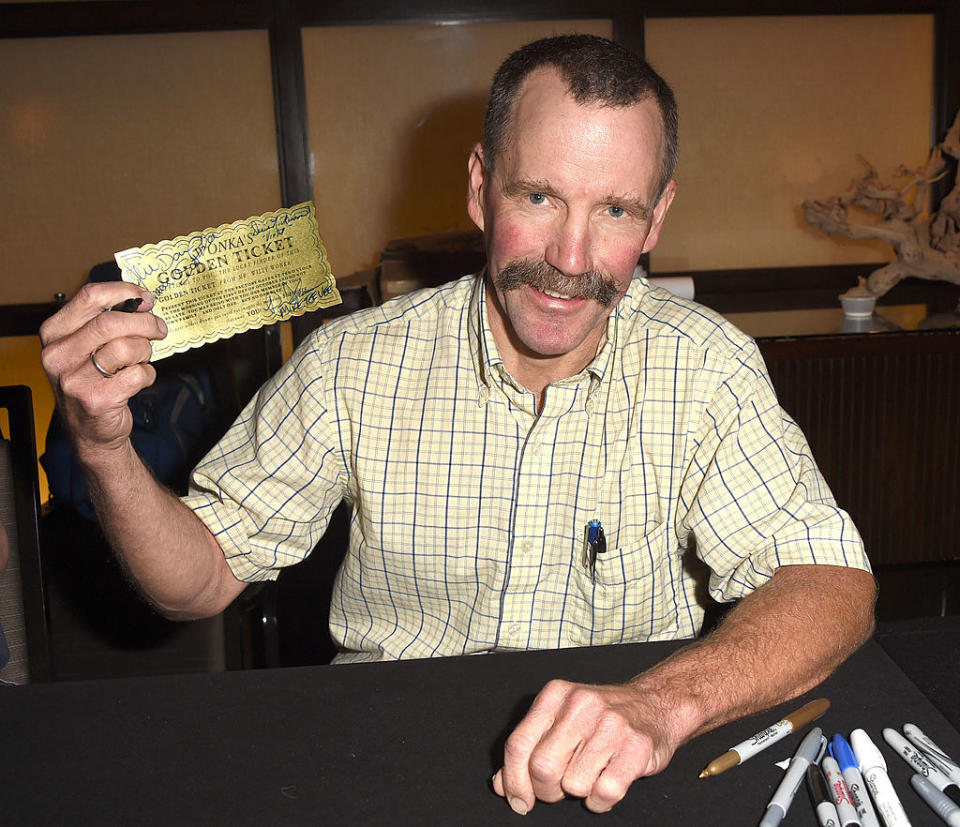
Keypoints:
(632, 596)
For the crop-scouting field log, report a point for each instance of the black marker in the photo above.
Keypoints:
(128, 306)
(827, 815)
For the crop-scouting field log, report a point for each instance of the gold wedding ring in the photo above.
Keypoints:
(97, 365)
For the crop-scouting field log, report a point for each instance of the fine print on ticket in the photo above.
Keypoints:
(213, 284)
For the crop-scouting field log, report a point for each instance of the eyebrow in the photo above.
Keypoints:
(519, 187)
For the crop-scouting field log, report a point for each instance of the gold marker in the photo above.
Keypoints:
(763, 739)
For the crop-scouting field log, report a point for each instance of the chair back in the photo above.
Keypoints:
(23, 610)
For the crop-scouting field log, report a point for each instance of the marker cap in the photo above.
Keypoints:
(843, 753)
(867, 752)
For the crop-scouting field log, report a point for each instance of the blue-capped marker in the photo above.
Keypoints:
(596, 544)
(842, 752)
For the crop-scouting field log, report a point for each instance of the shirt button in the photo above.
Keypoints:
(514, 629)
(526, 547)
(537, 449)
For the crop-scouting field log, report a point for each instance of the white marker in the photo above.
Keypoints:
(933, 753)
(937, 800)
(840, 793)
(915, 759)
(874, 770)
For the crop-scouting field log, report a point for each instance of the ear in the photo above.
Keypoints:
(659, 213)
(476, 180)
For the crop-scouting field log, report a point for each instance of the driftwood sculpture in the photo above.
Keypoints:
(927, 245)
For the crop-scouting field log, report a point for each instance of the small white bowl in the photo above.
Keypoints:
(858, 307)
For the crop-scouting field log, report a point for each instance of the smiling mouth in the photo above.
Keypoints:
(554, 295)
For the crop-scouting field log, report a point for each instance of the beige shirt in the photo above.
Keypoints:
(470, 510)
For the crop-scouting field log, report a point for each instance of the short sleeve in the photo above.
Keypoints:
(754, 495)
(267, 489)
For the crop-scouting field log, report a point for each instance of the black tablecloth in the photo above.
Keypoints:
(413, 742)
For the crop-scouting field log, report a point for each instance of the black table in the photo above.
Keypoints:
(412, 742)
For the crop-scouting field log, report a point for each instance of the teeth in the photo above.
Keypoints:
(554, 295)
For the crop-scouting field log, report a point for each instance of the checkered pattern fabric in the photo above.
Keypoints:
(470, 509)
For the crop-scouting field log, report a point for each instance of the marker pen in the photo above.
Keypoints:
(874, 770)
(783, 797)
(932, 752)
(937, 800)
(128, 306)
(840, 793)
(820, 796)
(763, 739)
(916, 760)
(851, 774)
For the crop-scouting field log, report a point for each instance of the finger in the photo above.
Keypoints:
(497, 782)
(95, 407)
(515, 775)
(630, 760)
(91, 300)
(118, 354)
(576, 749)
(72, 352)
(550, 760)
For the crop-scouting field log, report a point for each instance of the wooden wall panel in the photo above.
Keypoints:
(393, 114)
(114, 141)
(774, 110)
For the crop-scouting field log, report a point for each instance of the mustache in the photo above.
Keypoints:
(591, 284)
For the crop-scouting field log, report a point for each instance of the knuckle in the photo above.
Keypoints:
(608, 790)
(544, 768)
(104, 325)
(577, 786)
(48, 329)
(49, 361)
(518, 745)
(611, 721)
(70, 385)
(87, 294)
(583, 699)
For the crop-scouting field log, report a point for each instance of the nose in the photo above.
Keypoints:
(569, 248)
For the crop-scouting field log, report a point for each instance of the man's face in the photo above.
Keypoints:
(566, 214)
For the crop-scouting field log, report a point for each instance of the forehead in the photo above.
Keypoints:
(553, 136)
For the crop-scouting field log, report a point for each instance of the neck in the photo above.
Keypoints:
(532, 370)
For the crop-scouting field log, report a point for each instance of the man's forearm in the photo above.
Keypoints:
(166, 548)
(782, 640)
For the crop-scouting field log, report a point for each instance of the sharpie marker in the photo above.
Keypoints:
(937, 800)
(840, 793)
(916, 760)
(763, 739)
(932, 752)
(823, 804)
(128, 306)
(874, 770)
(855, 784)
(783, 797)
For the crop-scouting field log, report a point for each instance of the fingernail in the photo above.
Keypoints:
(518, 806)
(163, 326)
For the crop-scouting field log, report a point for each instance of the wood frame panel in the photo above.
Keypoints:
(285, 18)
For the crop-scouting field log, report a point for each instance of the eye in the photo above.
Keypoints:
(616, 211)
(537, 198)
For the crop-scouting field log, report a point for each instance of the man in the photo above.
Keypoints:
(479, 428)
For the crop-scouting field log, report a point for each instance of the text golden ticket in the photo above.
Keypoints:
(212, 284)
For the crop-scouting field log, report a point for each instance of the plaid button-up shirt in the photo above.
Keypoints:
(470, 509)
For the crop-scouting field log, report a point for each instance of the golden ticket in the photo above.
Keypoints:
(212, 284)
